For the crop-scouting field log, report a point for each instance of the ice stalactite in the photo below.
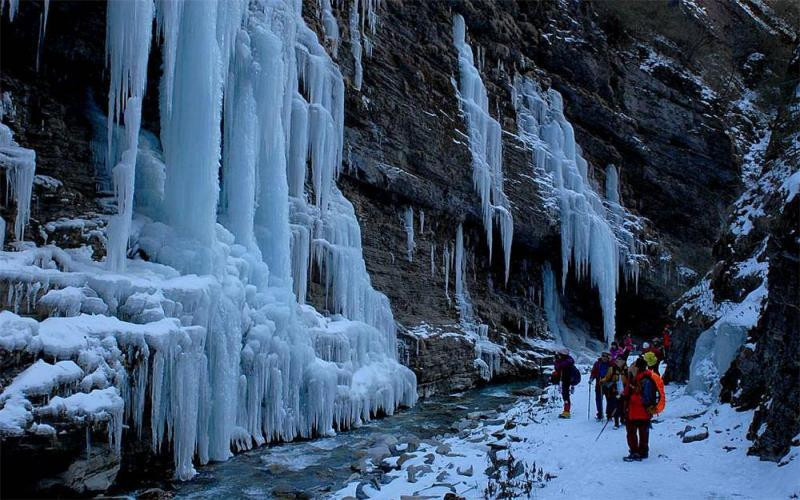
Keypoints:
(626, 227)
(20, 165)
(329, 25)
(408, 225)
(590, 232)
(577, 341)
(42, 31)
(363, 24)
(485, 144)
(487, 353)
(355, 46)
(128, 33)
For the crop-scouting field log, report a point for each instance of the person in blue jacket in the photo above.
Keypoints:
(599, 371)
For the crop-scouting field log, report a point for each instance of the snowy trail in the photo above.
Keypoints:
(582, 468)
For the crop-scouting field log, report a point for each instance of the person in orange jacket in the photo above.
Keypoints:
(641, 396)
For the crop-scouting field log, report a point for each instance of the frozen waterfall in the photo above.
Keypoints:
(596, 238)
(244, 212)
(485, 145)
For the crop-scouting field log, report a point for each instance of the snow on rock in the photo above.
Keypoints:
(17, 333)
(98, 405)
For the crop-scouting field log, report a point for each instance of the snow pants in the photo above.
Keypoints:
(638, 437)
(598, 398)
(613, 405)
(565, 389)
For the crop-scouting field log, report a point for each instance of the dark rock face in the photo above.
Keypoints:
(765, 375)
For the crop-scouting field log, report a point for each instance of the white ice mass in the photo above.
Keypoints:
(212, 325)
(485, 145)
(597, 238)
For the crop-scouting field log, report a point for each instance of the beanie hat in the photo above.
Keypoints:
(650, 358)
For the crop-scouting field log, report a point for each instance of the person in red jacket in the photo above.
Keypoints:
(666, 339)
(599, 370)
(641, 395)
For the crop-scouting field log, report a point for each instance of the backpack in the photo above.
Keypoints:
(575, 376)
(661, 395)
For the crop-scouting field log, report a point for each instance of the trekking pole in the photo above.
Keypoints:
(607, 421)
(589, 403)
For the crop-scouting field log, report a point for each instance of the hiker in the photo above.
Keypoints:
(656, 355)
(564, 374)
(652, 361)
(666, 338)
(616, 351)
(628, 346)
(641, 395)
(614, 383)
(599, 371)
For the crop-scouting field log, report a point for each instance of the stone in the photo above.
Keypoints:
(692, 435)
(531, 391)
(405, 457)
(465, 472)
(443, 449)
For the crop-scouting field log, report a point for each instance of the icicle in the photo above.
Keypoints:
(20, 166)
(355, 46)
(42, 31)
(433, 259)
(485, 144)
(329, 25)
(128, 33)
(589, 237)
(408, 223)
(421, 221)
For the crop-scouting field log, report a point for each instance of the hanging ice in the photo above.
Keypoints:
(19, 164)
(128, 32)
(408, 224)
(589, 233)
(485, 144)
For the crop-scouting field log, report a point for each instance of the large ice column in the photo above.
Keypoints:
(273, 78)
(20, 165)
(485, 144)
(191, 132)
(588, 240)
(128, 34)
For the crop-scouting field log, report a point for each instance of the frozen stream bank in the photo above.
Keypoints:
(318, 468)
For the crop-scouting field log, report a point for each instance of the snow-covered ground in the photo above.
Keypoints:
(562, 458)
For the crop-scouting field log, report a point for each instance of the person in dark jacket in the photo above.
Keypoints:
(614, 386)
(562, 375)
(599, 371)
(640, 394)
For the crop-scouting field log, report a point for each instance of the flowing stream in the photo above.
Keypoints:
(315, 468)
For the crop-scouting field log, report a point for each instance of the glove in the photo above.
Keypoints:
(572, 390)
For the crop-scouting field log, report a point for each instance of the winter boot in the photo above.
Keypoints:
(564, 414)
(632, 457)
